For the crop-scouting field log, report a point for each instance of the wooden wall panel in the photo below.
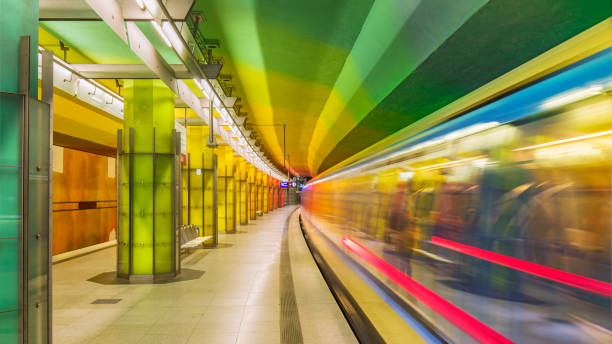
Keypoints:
(83, 177)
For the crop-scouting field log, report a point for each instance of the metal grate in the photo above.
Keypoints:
(105, 301)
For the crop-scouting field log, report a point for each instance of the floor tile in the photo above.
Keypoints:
(235, 300)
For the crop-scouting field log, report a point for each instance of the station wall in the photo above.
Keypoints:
(84, 199)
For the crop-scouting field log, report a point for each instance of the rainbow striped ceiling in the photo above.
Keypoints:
(344, 74)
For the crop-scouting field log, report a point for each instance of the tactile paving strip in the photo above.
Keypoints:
(291, 330)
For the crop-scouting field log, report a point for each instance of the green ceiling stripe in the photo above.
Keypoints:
(396, 37)
(502, 35)
(94, 39)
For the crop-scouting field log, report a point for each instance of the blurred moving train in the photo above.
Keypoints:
(493, 226)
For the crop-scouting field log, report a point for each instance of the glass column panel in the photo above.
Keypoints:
(123, 239)
(230, 210)
(11, 109)
(252, 197)
(209, 221)
(8, 292)
(163, 213)
(221, 202)
(196, 203)
(242, 194)
(10, 122)
(185, 195)
(142, 216)
(38, 221)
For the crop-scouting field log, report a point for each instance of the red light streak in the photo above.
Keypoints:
(556, 275)
(452, 313)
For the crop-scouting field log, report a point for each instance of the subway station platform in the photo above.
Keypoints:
(305, 171)
(261, 285)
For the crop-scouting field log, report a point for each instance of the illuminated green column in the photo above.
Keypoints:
(23, 304)
(148, 246)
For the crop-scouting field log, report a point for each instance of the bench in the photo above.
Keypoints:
(190, 237)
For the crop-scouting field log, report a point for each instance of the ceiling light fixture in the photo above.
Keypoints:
(141, 4)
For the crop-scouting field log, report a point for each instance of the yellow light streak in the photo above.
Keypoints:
(451, 163)
(571, 139)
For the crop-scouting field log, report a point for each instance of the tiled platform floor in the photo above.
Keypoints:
(227, 295)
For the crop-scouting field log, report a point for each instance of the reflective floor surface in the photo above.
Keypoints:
(241, 292)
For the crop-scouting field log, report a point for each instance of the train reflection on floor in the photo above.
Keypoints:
(504, 213)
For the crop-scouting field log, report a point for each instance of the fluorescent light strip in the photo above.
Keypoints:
(96, 94)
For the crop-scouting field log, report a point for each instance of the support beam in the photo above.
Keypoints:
(110, 12)
(74, 10)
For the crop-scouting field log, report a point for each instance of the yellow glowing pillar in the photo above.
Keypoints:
(241, 190)
(226, 195)
(265, 190)
(199, 184)
(252, 188)
(259, 197)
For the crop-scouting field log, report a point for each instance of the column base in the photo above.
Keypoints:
(148, 278)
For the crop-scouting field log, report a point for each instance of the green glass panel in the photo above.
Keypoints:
(9, 202)
(17, 18)
(124, 220)
(10, 106)
(9, 327)
(8, 275)
(163, 214)
(142, 217)
(10, 217)
(10, 118)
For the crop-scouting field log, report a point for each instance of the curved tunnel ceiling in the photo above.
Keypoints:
(345, 74)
